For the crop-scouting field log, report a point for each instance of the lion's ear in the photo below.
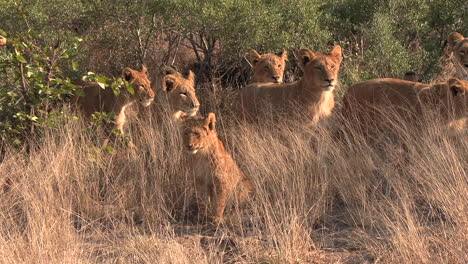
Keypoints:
(336, 51)
(144, 70)
(168, 70)
(127, 74)
(410, 76)
(305, 56)
(210, 122)
(168, 84)
(254, 56)
(283, 55)
(456, 87)
(191, 78)
(454, 38)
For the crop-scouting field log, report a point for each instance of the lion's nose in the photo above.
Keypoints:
(276, 78)
(330, 81)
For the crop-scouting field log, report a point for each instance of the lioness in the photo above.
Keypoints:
(459, 46)
(177, 95)
(312, 95)
(372, 100)
(96, 99)
(268, 68)
(216, 175)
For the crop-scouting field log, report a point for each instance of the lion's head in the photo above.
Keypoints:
(180, 92)
(268, 67)
(141, 85)
(451, 96)
(458, 92)
(459, 46)
(198, 132)
(321, 69)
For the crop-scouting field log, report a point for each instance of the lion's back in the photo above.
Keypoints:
(258, 97)
(385, 91)
(93, 98)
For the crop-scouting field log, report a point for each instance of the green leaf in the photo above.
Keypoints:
(102, 79)
(109, 149)
(74, 65)
(21, 59)
(130, 89)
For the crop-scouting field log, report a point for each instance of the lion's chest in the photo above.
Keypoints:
(209, 169)
(203, 168)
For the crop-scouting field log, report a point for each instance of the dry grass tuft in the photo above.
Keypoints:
(323, 195)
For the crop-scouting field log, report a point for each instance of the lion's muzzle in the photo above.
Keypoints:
(146, 102)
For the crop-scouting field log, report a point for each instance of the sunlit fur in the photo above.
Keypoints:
(177, 94)
(96, 99)
(459, 46)
(312, 95)
(371, 100)
(268, 68)
(216, 176)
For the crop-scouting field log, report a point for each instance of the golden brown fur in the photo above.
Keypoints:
(177, 94)
(3, 41)
(96, 99)
(459, 46)
(372, 100)
(268, 68)
(458, 126)
(216, 176)
(312, 95)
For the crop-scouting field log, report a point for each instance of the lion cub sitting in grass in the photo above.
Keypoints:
(216, 176)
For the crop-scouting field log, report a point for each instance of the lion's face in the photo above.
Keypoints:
(180, 92)
(268, 67)
(144, 94)
(459, 46)
(198, 132)
(321, 69)
(458, 90)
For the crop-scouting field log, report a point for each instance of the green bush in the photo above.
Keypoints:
(33, 82)
(381, 38)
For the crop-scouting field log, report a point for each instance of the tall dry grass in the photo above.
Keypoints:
(323, 195)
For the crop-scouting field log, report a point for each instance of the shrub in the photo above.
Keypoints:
(33, 82)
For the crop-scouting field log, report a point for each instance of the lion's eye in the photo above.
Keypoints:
(196, 134)
(462, 52)
(318, 68)
(333, 67)
(183, 94)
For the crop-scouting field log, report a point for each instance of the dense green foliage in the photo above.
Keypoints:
(33, 83)
(381, 38)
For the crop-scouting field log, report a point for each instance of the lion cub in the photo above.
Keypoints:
(216, 176)
(268, 68)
